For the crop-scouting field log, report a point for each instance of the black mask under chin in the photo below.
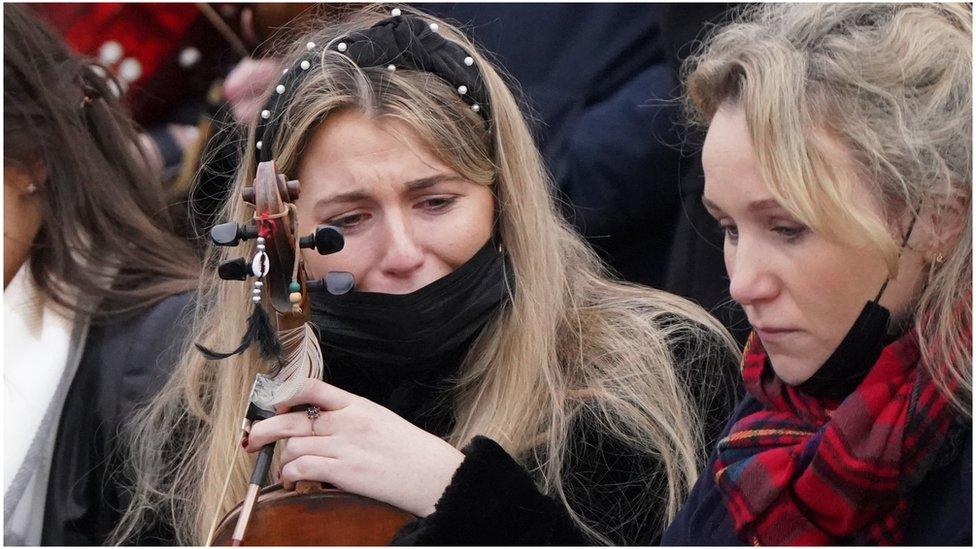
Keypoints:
(847, 366)
(406, 334)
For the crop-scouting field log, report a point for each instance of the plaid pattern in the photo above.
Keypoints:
(804, 471)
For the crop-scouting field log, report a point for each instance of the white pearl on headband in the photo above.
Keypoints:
(261, 240)
(259, 144)
(342, 46)
(475, 108)
(280, 89)
(434, 27)
(469, 61)
(305, 65)
(396, 12)
(256, 299)
(265, 114)
(462, 89)
(310, 46)
(285, 71)
(391, 67)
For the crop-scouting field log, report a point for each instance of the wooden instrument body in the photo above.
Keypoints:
(325, 516)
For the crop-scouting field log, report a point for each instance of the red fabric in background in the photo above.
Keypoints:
(149, 33)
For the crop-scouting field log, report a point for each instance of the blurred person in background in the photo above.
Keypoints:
(93, 286)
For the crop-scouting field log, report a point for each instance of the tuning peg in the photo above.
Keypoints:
(339, 282)
(234, 269)
(335, 282)
(326, 240)
(231, 233)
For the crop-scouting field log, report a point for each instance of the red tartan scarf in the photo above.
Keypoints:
(803, 471)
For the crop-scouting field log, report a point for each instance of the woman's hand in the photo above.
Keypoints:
(359, 447)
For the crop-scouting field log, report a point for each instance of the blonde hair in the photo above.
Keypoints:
(570, 344)
(893, 82)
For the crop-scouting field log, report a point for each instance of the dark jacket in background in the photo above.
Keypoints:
(696, 266)
(602, 82)
(596, 78)
(941, 506)
(124, 364)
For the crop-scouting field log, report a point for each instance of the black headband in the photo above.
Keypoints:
(401, 41)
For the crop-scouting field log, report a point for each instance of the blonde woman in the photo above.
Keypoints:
(839, 161)
(485, 375)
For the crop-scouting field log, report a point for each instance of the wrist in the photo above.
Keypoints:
(442, 477)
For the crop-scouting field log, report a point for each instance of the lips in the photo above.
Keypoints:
(774, 333)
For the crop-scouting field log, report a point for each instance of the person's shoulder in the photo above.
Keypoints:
(648, 328)
(135, 353)
(942, 504)
(144, 332)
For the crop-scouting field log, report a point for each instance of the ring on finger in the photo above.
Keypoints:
(313, 413)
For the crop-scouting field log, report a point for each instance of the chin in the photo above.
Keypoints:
(793, 370)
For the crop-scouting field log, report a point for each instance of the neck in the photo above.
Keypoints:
(15, 254)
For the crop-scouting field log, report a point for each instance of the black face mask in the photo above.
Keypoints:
(415, 332)
(847, 366)
(851, 361)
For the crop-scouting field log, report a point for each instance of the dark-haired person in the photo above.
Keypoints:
(838, 159)
(92, 273)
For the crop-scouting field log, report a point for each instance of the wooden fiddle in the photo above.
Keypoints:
(313, 513)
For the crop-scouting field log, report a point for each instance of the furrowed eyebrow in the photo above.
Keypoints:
(350, 196)
(357, 195)
(427, 182)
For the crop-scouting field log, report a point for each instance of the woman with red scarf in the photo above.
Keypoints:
(838, 160)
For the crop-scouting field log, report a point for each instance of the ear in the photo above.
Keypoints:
(942, 221)
(27, 177)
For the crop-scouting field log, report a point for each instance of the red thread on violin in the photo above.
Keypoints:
(266, 225)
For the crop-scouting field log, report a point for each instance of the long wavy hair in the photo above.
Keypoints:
(572, 344)
(105, 233)
(893, 82)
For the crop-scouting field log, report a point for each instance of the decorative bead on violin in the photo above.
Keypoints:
(312, 514)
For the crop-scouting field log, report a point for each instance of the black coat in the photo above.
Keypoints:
(941, 506)
(492, 500)
(123, 365)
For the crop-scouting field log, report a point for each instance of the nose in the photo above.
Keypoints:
(751, 279)
(404, 255)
